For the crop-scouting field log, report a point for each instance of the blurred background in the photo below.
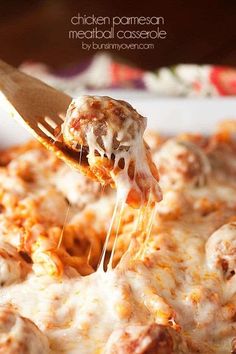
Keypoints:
(197, 31)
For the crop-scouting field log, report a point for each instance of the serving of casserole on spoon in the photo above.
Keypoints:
(101, 137)
(110, 133)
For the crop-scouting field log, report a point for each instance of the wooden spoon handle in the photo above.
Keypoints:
(30, 97)
(5, 68)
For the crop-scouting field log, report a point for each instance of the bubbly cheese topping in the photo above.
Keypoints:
(173, 289)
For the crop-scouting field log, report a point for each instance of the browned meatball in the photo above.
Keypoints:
(182, 163)
(221, 250)
(221, 153)
(108, 136)
(78, 188)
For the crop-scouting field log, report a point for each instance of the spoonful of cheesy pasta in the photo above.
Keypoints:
(109, 133)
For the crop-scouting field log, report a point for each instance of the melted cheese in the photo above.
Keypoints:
(182, 281)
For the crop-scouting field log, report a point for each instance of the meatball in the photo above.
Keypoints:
(104, 117)
(182, 163)
(221, 153)
(78, 189)
(19, 335)
(47, 212)
(151, 339)
(108, 137)
(12, 267)
(221, 250)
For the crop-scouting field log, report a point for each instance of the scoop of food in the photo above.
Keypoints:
(107, 134)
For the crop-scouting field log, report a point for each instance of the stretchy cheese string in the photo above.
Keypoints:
(122, 192)
(80, 154)
(117, 210)
(63, 227)
(121, 211)
(131, 152)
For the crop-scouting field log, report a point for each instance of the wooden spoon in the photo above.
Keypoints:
(40, 108)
